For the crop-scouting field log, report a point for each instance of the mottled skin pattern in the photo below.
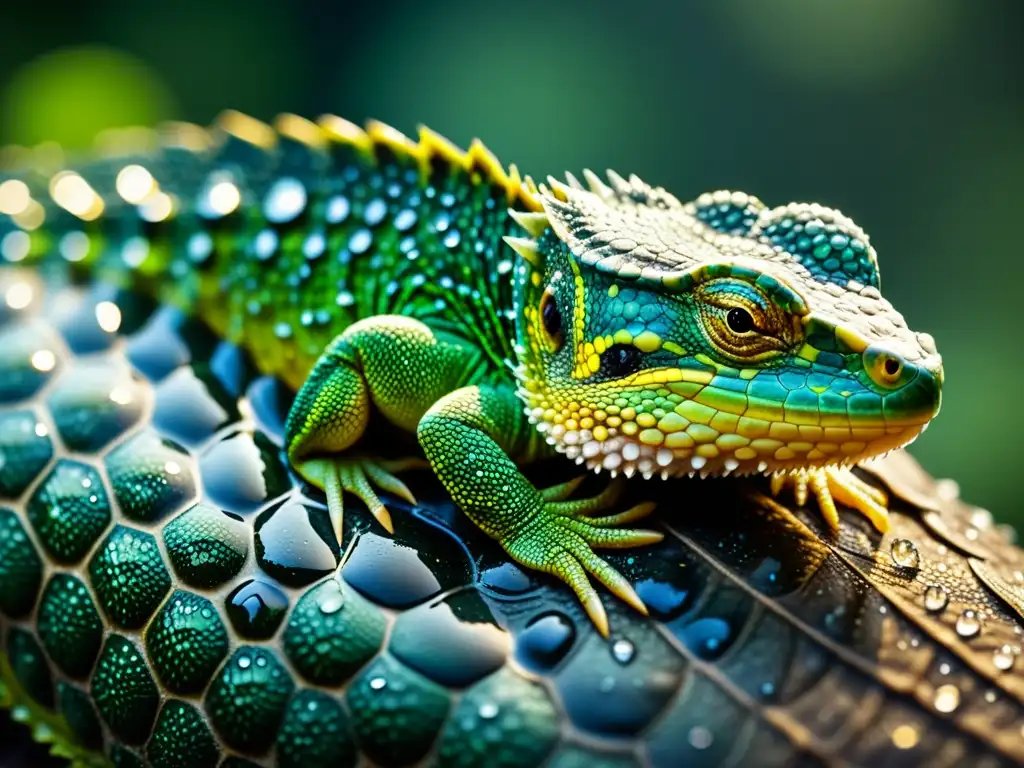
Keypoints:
(642, 335)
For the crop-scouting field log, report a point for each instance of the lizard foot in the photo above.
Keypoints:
(561, 536)
(358, 475)
(832, 484)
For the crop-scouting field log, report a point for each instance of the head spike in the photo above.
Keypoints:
(573, 181)
(534, 223)
(557, 189)
(527, 248)
(620, 186)
(597, 185)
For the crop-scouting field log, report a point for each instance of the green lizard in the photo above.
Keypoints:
(502, 321)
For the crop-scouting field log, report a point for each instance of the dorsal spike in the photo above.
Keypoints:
(434, 145)
(527, 248)
(534, 223)
(301, 130)
(247, 128)
(384, 139)
(482, 160)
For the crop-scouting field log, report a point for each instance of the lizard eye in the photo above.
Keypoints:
(620, 360)
(551, 319)
(740, 320)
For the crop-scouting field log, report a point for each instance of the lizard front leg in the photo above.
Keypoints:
(390, 362)
(468, 437)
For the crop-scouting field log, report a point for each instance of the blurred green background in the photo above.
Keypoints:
(906, 114)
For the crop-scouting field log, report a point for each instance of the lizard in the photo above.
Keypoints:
(503, 321)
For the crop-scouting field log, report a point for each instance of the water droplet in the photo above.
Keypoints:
(968, 624)
(700, 737)
(243, 662)
(375, 212)
(947, 698)
(488, 710)
(404, 220)
(981, 518)
(378, 683)
(904, 554)
(947, 489)
(285, 200)
(360, 241)
(936, 598)
(623, 651)
(337, 210)
(332, 604)
(1004, 657)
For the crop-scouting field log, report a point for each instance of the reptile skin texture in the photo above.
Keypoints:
(284, 421)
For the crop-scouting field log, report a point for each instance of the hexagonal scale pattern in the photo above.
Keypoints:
(77, 708)
(151, 477)
(95, 404)
(247, 700)
(315, 731)
(21, 570)
(181, 738)
(171, 591)
(25, 449)
(29, 665)
(333, 631)
(124, 690)
(186, 642)
(206, 546)
(396, 712)
(69, 510)
(129, 576)
(69, 625)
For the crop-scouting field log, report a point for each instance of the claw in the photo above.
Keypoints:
(632, 514)
(357, 476)
(562, 491)
(831, 484)
(384, 518)
(388, 482)
(597, 613)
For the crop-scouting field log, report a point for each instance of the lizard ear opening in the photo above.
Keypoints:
(828, 244)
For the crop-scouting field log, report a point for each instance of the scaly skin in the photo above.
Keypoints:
(641, 335)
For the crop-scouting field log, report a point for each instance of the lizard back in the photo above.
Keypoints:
(280, 238)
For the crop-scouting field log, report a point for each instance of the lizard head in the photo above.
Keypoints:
(712, 337)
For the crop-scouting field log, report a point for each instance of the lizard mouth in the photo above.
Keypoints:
(729, 454)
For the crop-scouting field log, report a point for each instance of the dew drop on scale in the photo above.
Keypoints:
(623, 651)
(904, 554)
(936, 598)
(1004, 657)
(968, 624)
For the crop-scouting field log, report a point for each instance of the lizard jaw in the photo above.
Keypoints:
(622, 454)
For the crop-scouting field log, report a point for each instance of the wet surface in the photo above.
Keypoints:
(202, 598)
